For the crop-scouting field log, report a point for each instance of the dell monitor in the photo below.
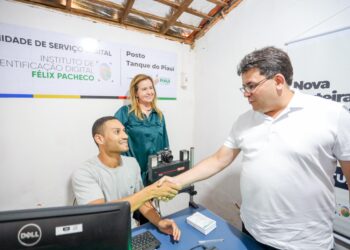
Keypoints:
(87, 227)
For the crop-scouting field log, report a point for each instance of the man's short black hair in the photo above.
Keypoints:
(97, 128)
(270, 61)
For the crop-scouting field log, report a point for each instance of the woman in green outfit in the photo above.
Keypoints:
(144, 122)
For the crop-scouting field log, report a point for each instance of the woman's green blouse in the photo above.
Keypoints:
(146, 137)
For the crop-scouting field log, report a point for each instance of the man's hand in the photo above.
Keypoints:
(167, 190)
(168, 226)
(167, 179)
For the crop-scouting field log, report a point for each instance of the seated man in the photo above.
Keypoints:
(111, 177)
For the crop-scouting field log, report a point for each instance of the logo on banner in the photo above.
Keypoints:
(342, 210)
(105, 72)
(161, 80)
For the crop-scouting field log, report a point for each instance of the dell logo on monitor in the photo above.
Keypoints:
(29, 235)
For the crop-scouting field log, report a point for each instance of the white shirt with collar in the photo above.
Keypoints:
(287, 183)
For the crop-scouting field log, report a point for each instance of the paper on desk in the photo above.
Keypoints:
(201, 222)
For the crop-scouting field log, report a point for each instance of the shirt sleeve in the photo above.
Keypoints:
(231, 141)
(85, 187)
(122, 115)
(342, 145)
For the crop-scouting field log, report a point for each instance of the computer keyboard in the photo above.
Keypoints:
(145, 241)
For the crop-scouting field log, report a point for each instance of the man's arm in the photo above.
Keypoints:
(345, 166)
(206, 168)
(136, 200)
(164, 225)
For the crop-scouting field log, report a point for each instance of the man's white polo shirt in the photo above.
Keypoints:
(288, 163)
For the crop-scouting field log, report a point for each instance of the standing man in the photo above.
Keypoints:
(110, 177)
(290, 143)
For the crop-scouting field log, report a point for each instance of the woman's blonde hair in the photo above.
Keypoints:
(135, 107)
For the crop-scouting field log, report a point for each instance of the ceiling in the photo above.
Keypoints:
(181, 20)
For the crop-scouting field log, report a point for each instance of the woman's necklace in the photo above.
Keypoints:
(146, 109)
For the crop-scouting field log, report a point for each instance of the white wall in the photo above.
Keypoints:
(253, 24)
(43, 140)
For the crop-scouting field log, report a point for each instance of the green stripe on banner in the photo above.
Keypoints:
(167, 98)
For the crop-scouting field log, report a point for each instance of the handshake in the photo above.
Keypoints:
(164, 189)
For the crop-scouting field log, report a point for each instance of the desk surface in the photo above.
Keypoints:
(233, 238)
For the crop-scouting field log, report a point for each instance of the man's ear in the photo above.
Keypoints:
(99, 139)
(280, 81)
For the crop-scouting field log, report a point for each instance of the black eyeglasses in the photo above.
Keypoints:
(249, 88)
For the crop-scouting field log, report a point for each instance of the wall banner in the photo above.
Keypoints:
(321, 66)
(36, 63)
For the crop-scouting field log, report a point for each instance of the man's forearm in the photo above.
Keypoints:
(201, 171)
(138, 199)
(152, 191)
(208, 167)
(149, 211)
